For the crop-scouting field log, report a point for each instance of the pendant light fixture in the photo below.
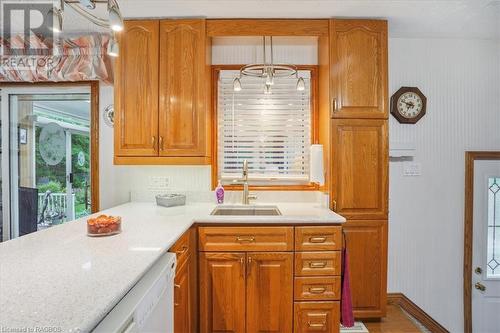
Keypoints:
(114, 21)
(113, 47)
(268, 70)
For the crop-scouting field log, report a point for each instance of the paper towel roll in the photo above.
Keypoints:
(317, 172)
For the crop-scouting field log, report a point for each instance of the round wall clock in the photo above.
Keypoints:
(408, 105)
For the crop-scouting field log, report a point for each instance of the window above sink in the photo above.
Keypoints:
(273, 131)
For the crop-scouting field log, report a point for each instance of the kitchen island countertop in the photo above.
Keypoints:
(63, 280)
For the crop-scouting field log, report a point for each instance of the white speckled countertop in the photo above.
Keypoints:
(61, 279)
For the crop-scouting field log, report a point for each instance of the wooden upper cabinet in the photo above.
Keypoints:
(183, 107)
(222, 292)
(136, 90)
(269, 292)
(358, 50)
(366, 243)
(359, 168)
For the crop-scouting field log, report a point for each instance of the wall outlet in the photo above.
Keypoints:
(412, 169)
(158, 183)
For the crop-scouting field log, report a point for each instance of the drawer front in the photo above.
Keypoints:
(311, 317)
(317, 288)
(182, 248)
(318, 238)
(245, 238)
(317, 263)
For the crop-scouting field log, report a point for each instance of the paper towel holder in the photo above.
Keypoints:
(316, 166)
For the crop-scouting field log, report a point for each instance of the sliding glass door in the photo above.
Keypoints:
(47, 172)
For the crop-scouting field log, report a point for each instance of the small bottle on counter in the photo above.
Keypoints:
(219, 193)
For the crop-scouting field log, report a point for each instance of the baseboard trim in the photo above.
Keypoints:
(406, 304)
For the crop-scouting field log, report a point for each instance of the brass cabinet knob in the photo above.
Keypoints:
(479, 286)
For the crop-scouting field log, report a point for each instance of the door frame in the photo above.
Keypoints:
(470, 157)
(94, 138)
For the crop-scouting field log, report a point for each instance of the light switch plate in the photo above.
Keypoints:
(412, 169)
(158, 183)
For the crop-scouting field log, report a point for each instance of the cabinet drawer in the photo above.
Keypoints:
(182, 247)
(318, 238)
(245, 238)
(310, 317)
(317, 263)
(317, 288)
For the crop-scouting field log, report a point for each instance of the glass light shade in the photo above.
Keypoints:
(113, 48)
(237, 84)
(57, 20)
(301, 85)
(115, 19)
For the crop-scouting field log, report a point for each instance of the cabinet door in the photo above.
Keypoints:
(136, 90)
(183, 78)
(359, 68)
(359, 168)
(269, 292)
(367, 247)
(222, 292)
(182, 299)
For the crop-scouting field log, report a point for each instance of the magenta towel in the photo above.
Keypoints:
(346, 315)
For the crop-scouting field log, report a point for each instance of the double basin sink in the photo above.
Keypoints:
(246, 210)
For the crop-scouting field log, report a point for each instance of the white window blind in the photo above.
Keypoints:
(271, 131)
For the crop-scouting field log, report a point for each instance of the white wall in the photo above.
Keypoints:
(461, 79)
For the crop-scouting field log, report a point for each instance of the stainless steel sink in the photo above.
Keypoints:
(244, 210)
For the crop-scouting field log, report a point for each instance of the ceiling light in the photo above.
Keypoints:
(115, 17)
(237, 84)
(301, 85)
(268, 70)
(267, 89)
(114, 21)
(113, 47)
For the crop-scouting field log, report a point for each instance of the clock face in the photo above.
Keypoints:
(409, 105)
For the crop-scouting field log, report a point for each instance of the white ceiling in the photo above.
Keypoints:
(407, 18)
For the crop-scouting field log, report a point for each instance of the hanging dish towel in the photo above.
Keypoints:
(346, 315)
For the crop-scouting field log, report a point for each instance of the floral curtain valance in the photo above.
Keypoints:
(78, 58)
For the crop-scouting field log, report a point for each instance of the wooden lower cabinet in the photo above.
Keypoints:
(269, 292)
(366, 242)
(222, 292)
(186, 284)
(313, 317)
(251, 289)
(182, 313)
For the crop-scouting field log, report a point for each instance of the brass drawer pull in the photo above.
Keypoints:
(317, 290)
(182, 251)
(161, 142)
(317, 264)
(317, 239)
(317, 325)
(176, 286)
(245, 239)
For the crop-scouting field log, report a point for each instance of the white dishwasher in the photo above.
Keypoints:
(149, 306)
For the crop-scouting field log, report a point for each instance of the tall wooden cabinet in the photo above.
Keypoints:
(359, 154)
(162, 104)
